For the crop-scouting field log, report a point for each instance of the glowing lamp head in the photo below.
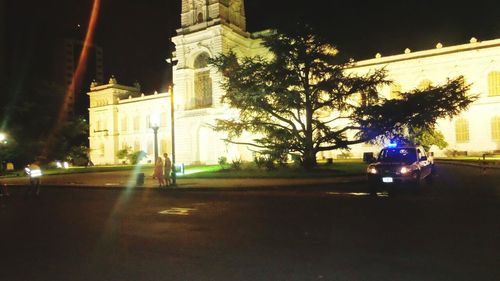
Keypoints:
(404, 170)
(154, 121)
(372, 170)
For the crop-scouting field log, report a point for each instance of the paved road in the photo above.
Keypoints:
(450, 231)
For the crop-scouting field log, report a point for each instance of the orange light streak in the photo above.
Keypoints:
(70, 91)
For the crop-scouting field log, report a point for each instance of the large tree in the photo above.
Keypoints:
(301, 99)
(27, 122)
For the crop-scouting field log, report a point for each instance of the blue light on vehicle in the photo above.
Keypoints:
(391, 145)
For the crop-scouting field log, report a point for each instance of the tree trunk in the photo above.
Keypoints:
(309, 161)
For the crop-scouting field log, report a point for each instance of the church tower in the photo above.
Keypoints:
(197, 14)
(208, 28)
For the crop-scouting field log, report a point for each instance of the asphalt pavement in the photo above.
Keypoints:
(128, 179)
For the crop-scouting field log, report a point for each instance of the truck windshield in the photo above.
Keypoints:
(400, 155)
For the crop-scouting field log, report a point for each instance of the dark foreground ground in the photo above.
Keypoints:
(449, 231)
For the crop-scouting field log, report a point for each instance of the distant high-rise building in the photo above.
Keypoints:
(3, 40)
(66, 64)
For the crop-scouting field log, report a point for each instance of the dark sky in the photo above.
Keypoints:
(134, 33)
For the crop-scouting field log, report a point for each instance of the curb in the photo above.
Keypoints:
(458, 163)
(181, 188)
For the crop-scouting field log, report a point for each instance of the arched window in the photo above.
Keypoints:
(495, 128)
(101, 150)
(150, 148)
(462, 130)
(494, 83)
(137, 125)
(202, 82)
(201, 61)
(164, 146)
(124, 124)
(137, 145)
(200, 18)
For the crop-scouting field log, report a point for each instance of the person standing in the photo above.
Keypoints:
(158, 172)
(167, 168)
(34, 171)
(4, 191)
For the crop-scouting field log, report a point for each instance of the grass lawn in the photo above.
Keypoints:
(248, 170)
(468, 158)
(338, 168)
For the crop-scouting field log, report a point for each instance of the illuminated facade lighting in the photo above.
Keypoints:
(118, 113)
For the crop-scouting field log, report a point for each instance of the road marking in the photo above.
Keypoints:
(379, 194)
(177, 211)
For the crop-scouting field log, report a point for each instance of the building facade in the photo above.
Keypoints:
(473, 132)
(120, 116)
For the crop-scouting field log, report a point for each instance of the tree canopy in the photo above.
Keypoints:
(28, 119)
(303, 100)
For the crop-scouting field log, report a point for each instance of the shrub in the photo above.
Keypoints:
(136, 157)
(259, 161)
(269, 164)
(297, 160)
(222, 161)
(123, 153)
(345, 155)
(236, 164)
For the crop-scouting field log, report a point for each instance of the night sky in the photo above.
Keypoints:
(135, 34)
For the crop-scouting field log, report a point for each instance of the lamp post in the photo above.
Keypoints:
(170, 61)
(174, 175)
(155, 126)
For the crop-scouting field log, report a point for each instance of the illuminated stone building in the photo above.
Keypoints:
(120, 115)
(476, 130)
(207, 29)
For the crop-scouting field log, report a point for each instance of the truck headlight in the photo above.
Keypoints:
(371, 170)
(404, 170)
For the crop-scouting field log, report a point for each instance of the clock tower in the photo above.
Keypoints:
(208, 28)
(197, 14)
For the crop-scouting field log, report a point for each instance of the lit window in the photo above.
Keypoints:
(124, 124)
(137, 126)
(150, 148)
(137, 146)
(98, 125)
(163, 119)
(494, 83)
(201, 61)
(462, 130)
(163, 146)
(495, 128)
(202, 82)
(203, 89)
(101, 150)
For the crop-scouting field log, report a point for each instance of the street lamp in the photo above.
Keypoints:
(174, 175)
(154, 124)
(171, 61)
